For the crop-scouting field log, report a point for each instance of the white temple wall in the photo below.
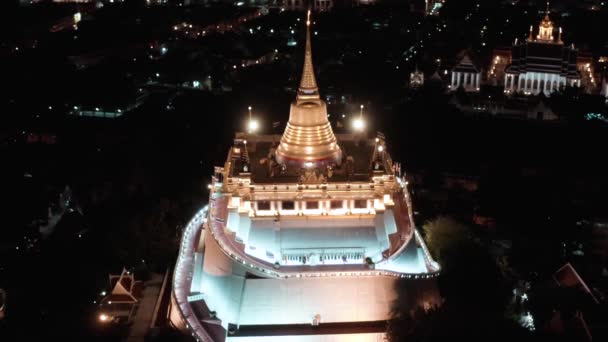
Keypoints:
(297, 301)
(533, 83)
(222, 282)
(469, 81)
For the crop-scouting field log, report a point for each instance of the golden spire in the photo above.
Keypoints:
(309, 90)
(308, 140)
(545, 29)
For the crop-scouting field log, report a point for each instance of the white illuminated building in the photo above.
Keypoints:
(542, 63)
(305, 229)
(466, 75)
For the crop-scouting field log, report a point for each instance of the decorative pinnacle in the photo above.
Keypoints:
(308, 85)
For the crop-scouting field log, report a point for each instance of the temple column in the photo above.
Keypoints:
(453, 73)
(477, 77)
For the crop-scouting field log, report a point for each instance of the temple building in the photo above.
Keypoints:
(306, 236)
(542, 63)
(466, 75)
(501, 58)
(121, 304)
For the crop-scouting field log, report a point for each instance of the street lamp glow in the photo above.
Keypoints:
(104, 317)
(358, 124)
(253, 126)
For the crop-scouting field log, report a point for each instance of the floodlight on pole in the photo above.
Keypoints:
(359, 123)
(252, 124)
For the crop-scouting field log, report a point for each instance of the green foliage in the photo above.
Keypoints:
(473, 290)
(444, 235)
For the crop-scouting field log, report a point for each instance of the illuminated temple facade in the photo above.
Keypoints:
(542, 63)
(305, 230)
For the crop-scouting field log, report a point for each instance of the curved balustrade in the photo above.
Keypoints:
(182, 277)
(269, 270)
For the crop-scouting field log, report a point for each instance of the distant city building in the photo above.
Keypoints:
(501, 58)
(120, 305)
(302, 5)
(512, 107)
(431, 7)
(466, 75)
(586, 66)
(542, 63)
(416, 79)
(363, 2)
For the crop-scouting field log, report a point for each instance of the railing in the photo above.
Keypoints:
(271, 271)
(182, 277)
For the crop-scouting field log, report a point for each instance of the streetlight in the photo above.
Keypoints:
(359, 123)
(252, 124)
(105, 318)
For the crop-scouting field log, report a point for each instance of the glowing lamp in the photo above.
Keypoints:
(253, 126)
(358, 124)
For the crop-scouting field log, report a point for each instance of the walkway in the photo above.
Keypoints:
(145, 310)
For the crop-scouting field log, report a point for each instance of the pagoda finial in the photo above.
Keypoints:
(547, 10)
(308, 85)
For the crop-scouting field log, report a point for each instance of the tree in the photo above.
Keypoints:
(444, 235)
(472, 286)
